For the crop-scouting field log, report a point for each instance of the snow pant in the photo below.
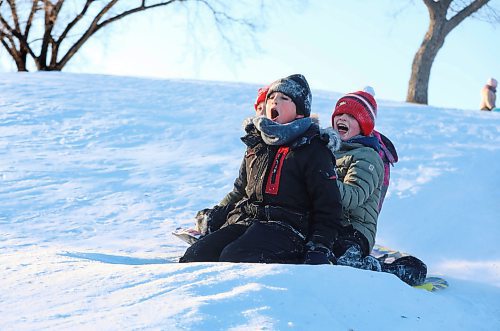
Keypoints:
(209, 247)
(257, 243)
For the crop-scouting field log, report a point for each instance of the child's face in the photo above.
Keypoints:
(347, 126)
(281, 109)
(261, 109)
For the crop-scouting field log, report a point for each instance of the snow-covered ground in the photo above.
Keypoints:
(97, 171)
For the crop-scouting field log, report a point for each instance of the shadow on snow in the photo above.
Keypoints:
(117, 259)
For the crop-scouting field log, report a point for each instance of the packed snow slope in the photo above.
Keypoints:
(97, 171)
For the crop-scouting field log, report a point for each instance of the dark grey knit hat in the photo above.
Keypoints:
(297, 88)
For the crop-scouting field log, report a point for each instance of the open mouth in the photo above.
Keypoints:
(342, 127)
(274, 114)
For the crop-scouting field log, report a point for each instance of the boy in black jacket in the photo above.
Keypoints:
(290, 211)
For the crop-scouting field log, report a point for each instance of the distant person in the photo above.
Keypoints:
(290, 211)
(488, 95)
(360, 172)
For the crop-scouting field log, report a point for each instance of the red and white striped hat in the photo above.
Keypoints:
(362, 106)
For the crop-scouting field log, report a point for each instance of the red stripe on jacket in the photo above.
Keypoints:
(273, 180)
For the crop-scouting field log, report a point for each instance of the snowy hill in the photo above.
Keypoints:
(96, 171)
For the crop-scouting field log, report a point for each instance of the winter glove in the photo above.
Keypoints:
(202, 221)
(209, 220)
(318, 254)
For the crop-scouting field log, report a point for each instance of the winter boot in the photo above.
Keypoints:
(409, 269)
(353, 258)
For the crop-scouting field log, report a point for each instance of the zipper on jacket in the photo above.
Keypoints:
(273, 181)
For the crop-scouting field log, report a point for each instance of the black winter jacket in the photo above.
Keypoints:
(293, 185)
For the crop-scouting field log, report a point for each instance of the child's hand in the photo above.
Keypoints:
(319, 254)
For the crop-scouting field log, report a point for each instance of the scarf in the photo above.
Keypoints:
(368, 141)
(491, 88)
(276, 134)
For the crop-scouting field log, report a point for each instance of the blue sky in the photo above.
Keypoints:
(338, 45)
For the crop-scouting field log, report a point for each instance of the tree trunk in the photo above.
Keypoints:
(21, 65)
(439, 27)
(422, 63)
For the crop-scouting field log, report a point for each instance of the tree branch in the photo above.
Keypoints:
(130, 11)
(51, 13)
(464, 13)
(217, 14)
(74, 22)
(429, 3)
(96, 26)
(55, 50)
(30, 18)
(11, 50)
(445, 3)
(18, 35)
(15, 17)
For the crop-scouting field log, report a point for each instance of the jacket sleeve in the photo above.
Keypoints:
(238, 191)
(326, 211)
(363, 177)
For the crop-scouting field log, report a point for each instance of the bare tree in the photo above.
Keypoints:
(439, 27)
(37, 29)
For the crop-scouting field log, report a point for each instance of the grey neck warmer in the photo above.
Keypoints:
(276, 134)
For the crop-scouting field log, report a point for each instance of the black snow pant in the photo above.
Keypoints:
(257, 243)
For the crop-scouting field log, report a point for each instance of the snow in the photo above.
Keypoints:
(97, 171)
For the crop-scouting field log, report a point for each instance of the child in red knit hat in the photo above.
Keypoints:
(360, 173)
(260, 102)
(362, 110)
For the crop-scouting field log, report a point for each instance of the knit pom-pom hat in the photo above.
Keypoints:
(297, 88)
(362, 106)
(261, 96)
(369, 89)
